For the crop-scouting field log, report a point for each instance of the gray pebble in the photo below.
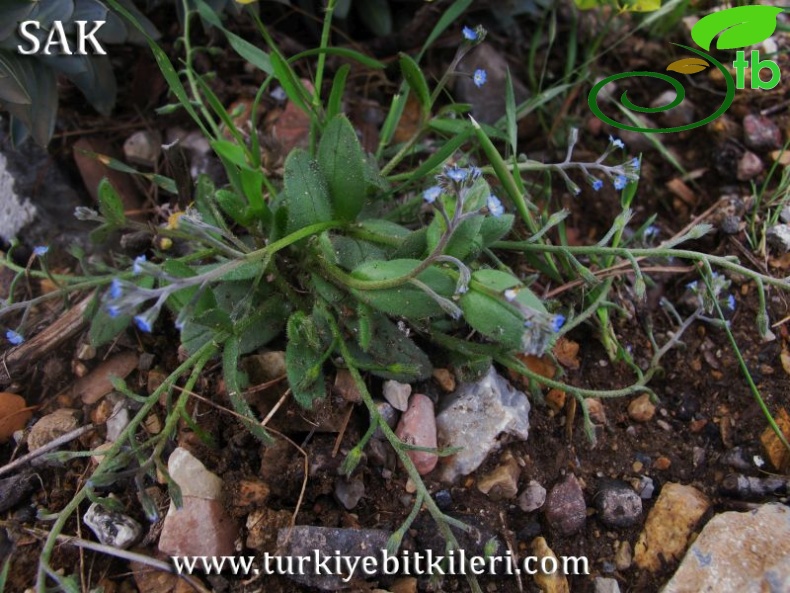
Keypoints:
(618, 505)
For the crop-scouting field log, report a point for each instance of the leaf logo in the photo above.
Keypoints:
(688, 65)
(739, 27)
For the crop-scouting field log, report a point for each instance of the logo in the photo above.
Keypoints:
(739, 27)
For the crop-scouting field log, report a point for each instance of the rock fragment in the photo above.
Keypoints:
(112, 528)
(565, 509)
(417, 426)
(618, 505)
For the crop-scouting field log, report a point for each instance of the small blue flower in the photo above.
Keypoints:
(475, 172)
(616, 142)
(469, 34)
(137, 267)
(113, 311)
(430, 194)
(651, 232)
(456, 173)
(495, 206)
(479, 77)
(557, 322)
(597, 184)
(142, 322)
(116, 289)
(14, 337)
(731, 303)
(41, 250)
(620, 182)
(692, 286)
(635, 163)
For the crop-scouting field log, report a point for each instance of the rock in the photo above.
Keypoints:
(646, 488)
(118, 420)
(749, 166)
(555, 582)
(533, 497)
(444, 499)
(52, 426)
(143, 148)
(502, 483)
(265, 367)
(774, 448)
(390, 416)
(17, 488)
(349, 492)
(618, 505)
(262, 526)
(565, 508)
(317, 542)
(681, 115)
(669, 525)
(417, 426)
(596, 410)
(487, 102)
(201, 527)
(604, 585)
(397, 394)
(445, 379)
(249, 494)
(760, 133)
(192, 476)
(778, 236)
(345, 386)
(745, 552)
(14, 415)
(641, 409)
(475, 415)
(623, 556)
(112, 528)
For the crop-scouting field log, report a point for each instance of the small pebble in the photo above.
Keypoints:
(662, 463)
(664, 425)
(502, 483)
(52, 426)
(596, 410)
(623, 556)
(618, 505)
(533, 497)
(641, 409)
(749, 166)
(390, 416)
(779, 237)
(346, 387)
(417, 426)
(761, 133)
(112, 528)
(646, 488)
(444, 499)
(604, 585)
(565, 508)
(143, 148)
(397, 394)
(445, 379)
(349, 492)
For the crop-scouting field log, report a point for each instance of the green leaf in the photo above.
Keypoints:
(494, 228)
(338, 88)
(306, 191)
(406, 300)
(342, 52)
(231, 151)
(342, 161)
(511, 123)
(234, 382)
(462, 243)
(455, 10)
(234, 206)
(392, 120)
(416, 81)
(294, 88)
(110, 204)
(304, 360)
(350, 253)
(739, 27)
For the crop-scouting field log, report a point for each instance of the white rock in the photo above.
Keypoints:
(397, 394)
(112, 528)
(192, 476)
(143, 148)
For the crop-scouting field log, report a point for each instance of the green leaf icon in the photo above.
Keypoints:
(739, 27)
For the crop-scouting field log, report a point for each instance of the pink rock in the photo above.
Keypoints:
(417, 426)
(200, 528)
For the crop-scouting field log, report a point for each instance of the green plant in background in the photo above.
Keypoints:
(379, 263)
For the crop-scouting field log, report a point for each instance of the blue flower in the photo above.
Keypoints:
(116, 289)
(137, 267)
(143, 323)
(597, 184)
(557, 322)
(14, 337)
(635, 163)
(620, 182)
(479, 77)
(430, 194)
(616, 142)
(456, 173)
(113, 311)
(41, 250)
(469, 34)
(495, 206)
(692, 286)
(651, 232)
(475, 172)
(731, 303)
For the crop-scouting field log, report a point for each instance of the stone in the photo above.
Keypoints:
(641, 409)
(555, 582)
(623, 556)
(417, 426)
(349, 491)
(565, 509)
(388, 414)
(143, 148)
(52, 426)
(502, 482)
(646, 488)
(16, 210)
(346, 387)
(474, 417)
(596, 410)
(265, 367)
(16, 488)
(397, 394)
(312, 541)
(618, 505)
(749, 166)
(112, 528)
(606, 585)
(445, 379)
(778, 236)
(201, 527)
(262, 526)
(118, 420)
(192, 476)
(533, 497)
(669, 525)
(745, 552)
(761, 133)
(680, 115)
(774, 448)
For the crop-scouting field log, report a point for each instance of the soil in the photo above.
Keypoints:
(705, 409)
